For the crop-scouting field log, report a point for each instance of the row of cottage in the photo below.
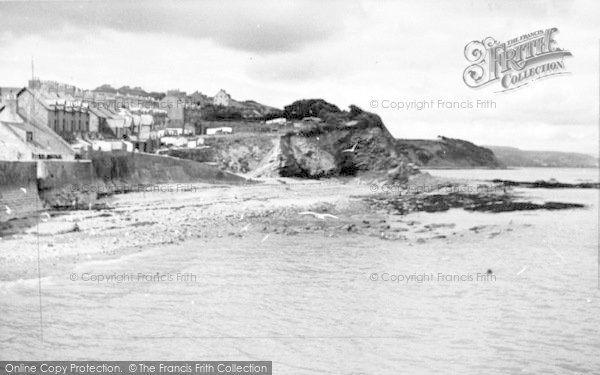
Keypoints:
(111, 97)
(105, 110)
(48, 120)
(37, 124)
(71, 119)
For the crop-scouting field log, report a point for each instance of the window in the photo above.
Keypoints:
(29, 136)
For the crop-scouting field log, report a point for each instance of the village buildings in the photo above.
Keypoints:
(21, 140)
(64, 115)
(222, 98)
(199, 99)
(174, 106)
(182, 114)
(52, 120)
(8, 95)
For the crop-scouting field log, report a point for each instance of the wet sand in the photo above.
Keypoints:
(136, 221)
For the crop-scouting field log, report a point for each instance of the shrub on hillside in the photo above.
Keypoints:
(308, 108)
(220, 113)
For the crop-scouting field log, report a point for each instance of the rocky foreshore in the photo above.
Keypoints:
(274, 207)
(481, 202)
(264, 212)
(551, 184)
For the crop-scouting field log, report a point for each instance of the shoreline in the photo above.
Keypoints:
(135, 222)
(422, 193)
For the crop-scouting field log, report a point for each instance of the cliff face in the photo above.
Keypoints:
(237, 153)
(320, 140)
(336, 143)
(341, 152)
(446, 153)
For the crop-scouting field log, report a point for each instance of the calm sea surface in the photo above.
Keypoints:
(312, 305)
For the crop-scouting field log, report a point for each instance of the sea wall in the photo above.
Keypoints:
(26, 187)
(141, 168)
(18, 189)
(57, 173)
(57, 179)
(76, 186)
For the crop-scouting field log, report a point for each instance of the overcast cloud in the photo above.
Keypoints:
(349, 52)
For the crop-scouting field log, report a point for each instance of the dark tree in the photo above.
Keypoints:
(308, 108)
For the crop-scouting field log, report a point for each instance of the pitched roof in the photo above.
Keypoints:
(9, 116)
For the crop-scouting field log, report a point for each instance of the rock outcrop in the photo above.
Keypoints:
(320, 140)
(336, 143)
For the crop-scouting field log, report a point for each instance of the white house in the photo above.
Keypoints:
(278, 121)
(174, 141)
(221, 130)
(222, 98)
(101, 145)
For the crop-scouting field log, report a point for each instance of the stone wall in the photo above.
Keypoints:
(27, 187)
(58, 183)
(57, 174)
(18, 189)
(141, 168)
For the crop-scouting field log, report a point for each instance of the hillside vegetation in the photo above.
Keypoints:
(447, 153)
(322, 140)
(514, 157)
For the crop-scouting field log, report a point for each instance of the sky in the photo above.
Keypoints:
(366, 53)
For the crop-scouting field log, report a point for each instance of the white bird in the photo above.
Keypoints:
(521, 271)
(8, 210)
(318, 216)
(245, 229)
(45, 214)
(24, 190)
(351, 149)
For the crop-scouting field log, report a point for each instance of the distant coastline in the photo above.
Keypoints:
(514, 157)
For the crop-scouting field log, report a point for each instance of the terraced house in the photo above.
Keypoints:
(21, 140)
(67, 117)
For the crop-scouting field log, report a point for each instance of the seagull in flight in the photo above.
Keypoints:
(351, 149)
(8, 210)
(318, 216)
(24, 190)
